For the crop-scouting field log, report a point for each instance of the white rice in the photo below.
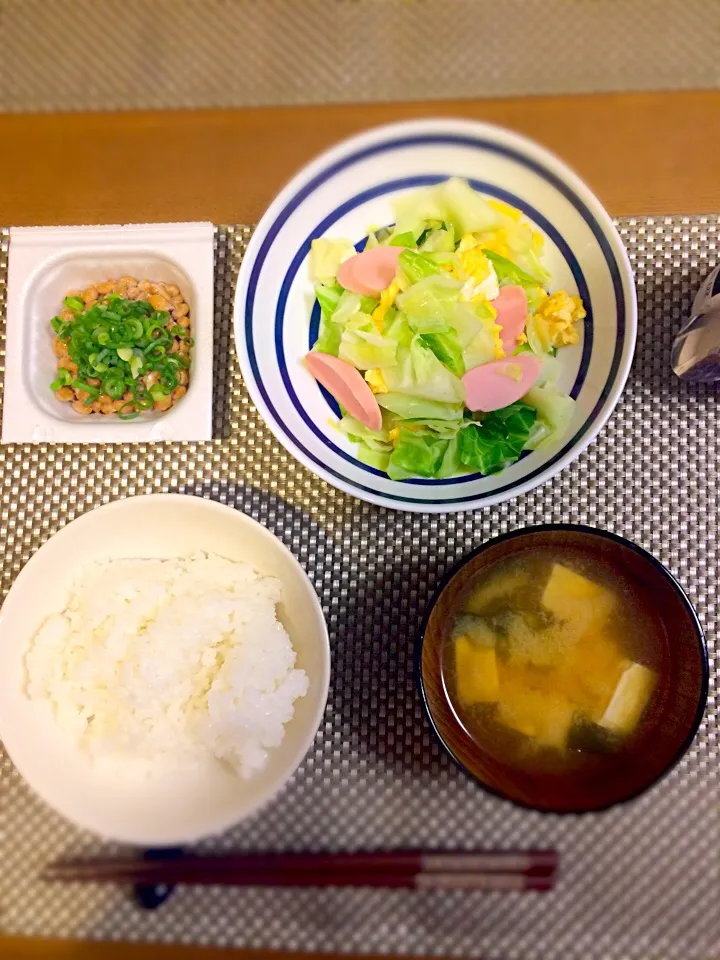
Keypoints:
(169, 660)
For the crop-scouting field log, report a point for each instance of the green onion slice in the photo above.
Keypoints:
(63, 379)
(127, 413)
(143, 400)
(114, 386)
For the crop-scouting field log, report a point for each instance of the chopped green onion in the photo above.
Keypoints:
(87, 387)
(168, 380)
(151, 325)
(143, 399)
(127, 331)
(114, 386)
(160, 335)
(63, 379)
(92, 392)
(130, 415)
(118, 341)
(97, 362)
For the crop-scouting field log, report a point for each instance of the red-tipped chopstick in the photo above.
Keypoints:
(478, 870)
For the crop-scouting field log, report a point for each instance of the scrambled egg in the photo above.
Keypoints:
(387, 299)
(477, 274)
(394, 435)
(557, 316)
(376, 381)
(479, 281)
(497, 242)
(498, 348)
(505, 240)
(538, 242)
(505, 209)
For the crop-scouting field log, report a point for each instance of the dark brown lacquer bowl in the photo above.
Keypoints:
(674, 714)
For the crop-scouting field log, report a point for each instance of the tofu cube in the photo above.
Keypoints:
(544, 717)
(477, 674)
(631, 696)
(571, 597)
(529, 704)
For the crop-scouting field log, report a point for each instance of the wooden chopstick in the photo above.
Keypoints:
(480, 870)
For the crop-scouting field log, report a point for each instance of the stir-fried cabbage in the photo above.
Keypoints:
(326, 257)
(419, 373)
(415, 341)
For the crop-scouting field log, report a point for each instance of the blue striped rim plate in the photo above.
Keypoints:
(351, 187)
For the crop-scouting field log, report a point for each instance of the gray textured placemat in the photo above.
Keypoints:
(639, 881)
(147, 54)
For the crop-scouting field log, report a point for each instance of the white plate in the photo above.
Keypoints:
(351, 187)
(171, 807)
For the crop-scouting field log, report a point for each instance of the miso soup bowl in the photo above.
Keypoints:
(669, 724)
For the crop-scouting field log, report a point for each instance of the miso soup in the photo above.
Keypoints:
(552, 660)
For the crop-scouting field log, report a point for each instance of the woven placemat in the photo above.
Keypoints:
(639, 881)
(236, 53)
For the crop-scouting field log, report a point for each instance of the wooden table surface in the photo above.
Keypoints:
(642, 153)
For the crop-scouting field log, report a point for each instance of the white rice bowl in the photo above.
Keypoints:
(195, 787)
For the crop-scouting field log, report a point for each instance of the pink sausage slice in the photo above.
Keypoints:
(348, 387)
(512, 307)
(370, 272)
(494, 385)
